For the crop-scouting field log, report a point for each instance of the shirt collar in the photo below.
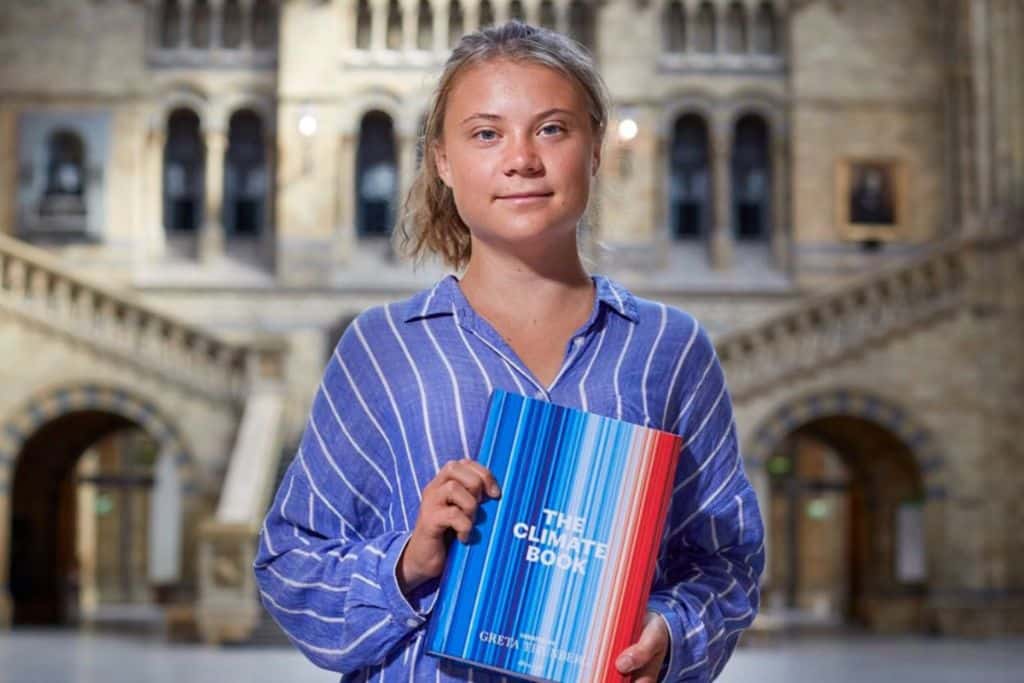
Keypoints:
(445, 297)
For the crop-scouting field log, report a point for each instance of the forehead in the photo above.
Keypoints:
(511, 88)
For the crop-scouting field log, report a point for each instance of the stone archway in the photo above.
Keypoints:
(39, 448)
(853, 504)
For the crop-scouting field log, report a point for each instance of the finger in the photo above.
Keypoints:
(647, 650)
(458, 522)
(456, 494)
(462, 472)
(490, 483)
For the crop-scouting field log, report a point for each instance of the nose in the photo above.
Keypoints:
(522, 158)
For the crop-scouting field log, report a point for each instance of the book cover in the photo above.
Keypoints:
(554, 583)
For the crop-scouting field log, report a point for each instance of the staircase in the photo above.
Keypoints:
(98, 332)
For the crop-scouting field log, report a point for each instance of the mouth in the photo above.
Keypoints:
(523, 197)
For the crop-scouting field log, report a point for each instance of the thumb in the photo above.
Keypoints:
(644, 650)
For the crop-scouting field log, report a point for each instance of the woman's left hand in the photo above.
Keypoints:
(643, 659)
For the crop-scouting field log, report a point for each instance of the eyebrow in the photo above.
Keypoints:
(496, 117)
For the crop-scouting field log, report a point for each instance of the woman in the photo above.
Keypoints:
(358, 534)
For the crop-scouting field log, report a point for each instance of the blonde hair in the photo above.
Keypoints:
(430, 222)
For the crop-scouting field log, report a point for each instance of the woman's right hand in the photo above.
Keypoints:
(449, 501)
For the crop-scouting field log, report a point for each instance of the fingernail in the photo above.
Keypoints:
(494, 491)
(625, 664)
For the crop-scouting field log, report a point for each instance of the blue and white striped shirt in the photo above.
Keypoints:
(407, 389)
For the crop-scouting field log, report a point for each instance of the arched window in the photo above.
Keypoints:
(184, 159)
(65, 176)
(581, 25)
(231, 30)
(170, 24)
(394, 37)
(486, 14)
(689, 179)
(547, 14)
(363, 23)
(674, 23)
(425, 26)
(245, 175)
(456, 23)
(736, 29)
(264, 24)
(705, 28)
(199, 31)
(766, 39)
(751, 180)
(516, 11)
(376, 175)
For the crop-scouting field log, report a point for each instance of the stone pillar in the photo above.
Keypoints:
(410, 24)
(211, 239)
(378, 25)
(441, 10)
(750, 14)
(406, 166)
(88, 595)
(500, 11)
(268, 236)
(185, 24)
(721, 242)
(245, 43)
(562, 16)
(690, 8)
(345, 196)
(781, 233)
(533, 12)
(155, 236)
(216, 24)
(470, 16)
(982, 132)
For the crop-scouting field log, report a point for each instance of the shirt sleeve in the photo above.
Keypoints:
(712, 554)
(329, 546)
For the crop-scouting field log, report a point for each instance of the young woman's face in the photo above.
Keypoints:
(518, 152)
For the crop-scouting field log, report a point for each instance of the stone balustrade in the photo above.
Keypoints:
(826, 328)
(39, 288)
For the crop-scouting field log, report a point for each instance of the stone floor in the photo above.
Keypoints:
(71, 657)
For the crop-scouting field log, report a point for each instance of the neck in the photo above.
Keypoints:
(520, 287)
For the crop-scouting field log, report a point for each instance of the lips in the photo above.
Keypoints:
(525, 195)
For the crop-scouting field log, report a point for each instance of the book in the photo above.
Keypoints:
(554, 583)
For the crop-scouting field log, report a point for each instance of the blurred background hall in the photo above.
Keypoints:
(196, 197)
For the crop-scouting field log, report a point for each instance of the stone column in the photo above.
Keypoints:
(211, 239)
(410, 24)
(750, 13)
(88, 594)
(780, 236)
(216, 24)
(982, 132)
(441, 18)
(245, 43)
(268, 236)
(378, 25)
(721, 242)
(500, 11)
(165, 513)
(185, 24)
(470, 16)
(155, 237)
(345, 196)
(533, 12)
(562, 16)
(690, 8)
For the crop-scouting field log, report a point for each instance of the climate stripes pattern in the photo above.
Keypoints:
(557, 624)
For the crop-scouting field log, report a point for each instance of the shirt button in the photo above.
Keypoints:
(539, 394)
(411, 623)
(577, 341)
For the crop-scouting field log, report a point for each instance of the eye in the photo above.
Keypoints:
(485, 134)
(553, 128)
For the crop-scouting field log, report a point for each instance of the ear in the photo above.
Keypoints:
(596, 160)
(441, 164)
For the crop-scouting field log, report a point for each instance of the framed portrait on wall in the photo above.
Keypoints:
(871, 198)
